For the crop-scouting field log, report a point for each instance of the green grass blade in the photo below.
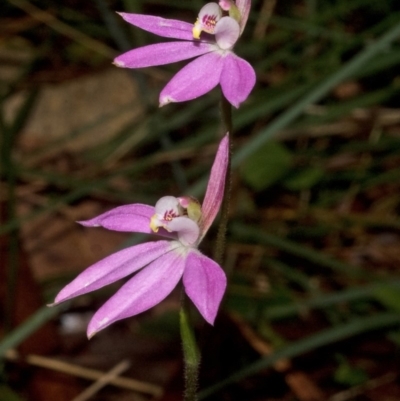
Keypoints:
(32, 324)
(310, 343)
(354, 65)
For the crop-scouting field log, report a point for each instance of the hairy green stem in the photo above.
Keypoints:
(191, 355)
(226, 114)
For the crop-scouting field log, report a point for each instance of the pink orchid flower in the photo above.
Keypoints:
(217, 63)
(161, 263)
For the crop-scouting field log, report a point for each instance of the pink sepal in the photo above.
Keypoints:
(115, 267)
(167, 28)
(216, 185)
(146, 289)
(205, 284)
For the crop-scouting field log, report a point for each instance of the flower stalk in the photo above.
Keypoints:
(219, 251)
(191, 354)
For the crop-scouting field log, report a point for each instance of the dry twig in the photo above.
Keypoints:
(63, 28)
(103, 381)
(86, 373)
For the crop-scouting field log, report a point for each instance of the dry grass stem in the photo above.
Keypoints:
(103, 381)
(86, 373)
(264, 17)
(63, 28)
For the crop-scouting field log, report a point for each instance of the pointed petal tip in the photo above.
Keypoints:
(91, 334)
(237, 79)
(58, 299)
(216, 184)
(96, 326)
(166, 100)
(224, 144)
(119, 64)
(87, 223)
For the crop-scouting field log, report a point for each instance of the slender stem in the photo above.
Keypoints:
(191, 355)
(226, 114)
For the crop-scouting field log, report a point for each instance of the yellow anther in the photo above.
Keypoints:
(197, 29)
(154, 223)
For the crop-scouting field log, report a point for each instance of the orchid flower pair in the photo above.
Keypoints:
(160, 264)
(211, 40)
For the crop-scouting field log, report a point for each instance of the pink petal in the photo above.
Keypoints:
(205, 284)
(216, 185)
(131, 218)
(227, 33)
(237, 79)
(244, 8)
(197, 78)
(168, 28)
(115, 267)
(161, 53)
(145, 290)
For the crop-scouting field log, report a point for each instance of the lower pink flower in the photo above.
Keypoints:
(161, 264)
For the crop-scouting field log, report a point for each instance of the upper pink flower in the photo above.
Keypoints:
(161, 263)
(212, 37)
